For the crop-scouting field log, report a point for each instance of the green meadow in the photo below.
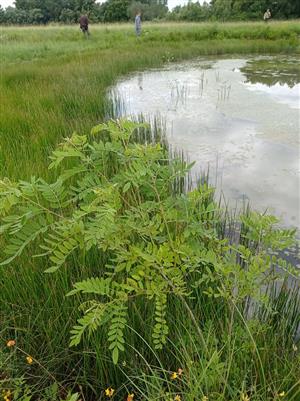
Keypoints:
(54, 82)
(165, 283)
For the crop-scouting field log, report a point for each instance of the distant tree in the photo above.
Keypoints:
(155, 2)
(35, 16)
(10, 15)
(194, 12)
(68, 16)
(249, 9)
(150, 10)
(254, 9)
(68, 11)
(49, 8)
(84, 5)
(25, 4)
(57, 10)
(14, 16)
(191, 12)
(222, 9)
(206, 9)
(158, 10)
(115, 10)
(2, 15)
(286, 8)
(177, 9)
(96, 14)
(136, 6)
(225, 10)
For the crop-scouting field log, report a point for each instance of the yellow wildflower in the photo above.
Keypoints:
(6, 395)
(282, 394)
(245, 397)
(10, 343)
(29, 360)
(204, 398)
(130, 397)
(177, 398)
(109, 392)
(174, 375)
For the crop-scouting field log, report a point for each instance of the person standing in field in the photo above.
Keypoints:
(84, 25)
(138, 24)
(267, 15)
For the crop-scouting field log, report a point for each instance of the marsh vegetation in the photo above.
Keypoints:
(170, 296)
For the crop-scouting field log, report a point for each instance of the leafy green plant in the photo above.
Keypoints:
(114, 199)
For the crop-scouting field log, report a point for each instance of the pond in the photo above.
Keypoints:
(238, 116)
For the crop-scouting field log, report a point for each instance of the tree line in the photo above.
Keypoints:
(69, 11)
(227, 10)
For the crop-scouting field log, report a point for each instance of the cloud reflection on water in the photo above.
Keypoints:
(248, 132)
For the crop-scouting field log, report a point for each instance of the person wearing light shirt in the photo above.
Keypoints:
(267, 15)
(138, 24)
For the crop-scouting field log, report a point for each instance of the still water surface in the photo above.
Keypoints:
(239, 116)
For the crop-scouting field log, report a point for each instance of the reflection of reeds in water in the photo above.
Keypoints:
(115, 105)
(201, 83)
(179, 93)
(154, 132)
(224, 91)
(284, 308)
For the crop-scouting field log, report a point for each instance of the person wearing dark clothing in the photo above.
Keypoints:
(84, 25)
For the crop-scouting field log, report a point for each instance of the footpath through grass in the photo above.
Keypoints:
(53, 82)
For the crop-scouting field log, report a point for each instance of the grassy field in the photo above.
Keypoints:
(54, 82)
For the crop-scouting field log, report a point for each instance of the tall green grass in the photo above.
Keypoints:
(54, 82)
